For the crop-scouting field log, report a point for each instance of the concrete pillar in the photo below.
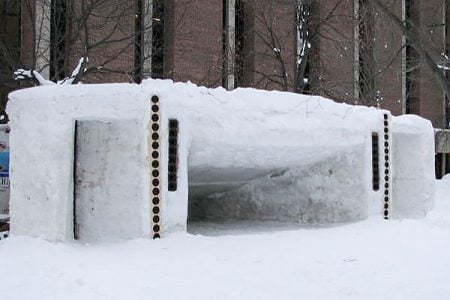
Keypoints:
(230, 43)
(147, 15)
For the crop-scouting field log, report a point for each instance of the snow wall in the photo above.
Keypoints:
(114, 161)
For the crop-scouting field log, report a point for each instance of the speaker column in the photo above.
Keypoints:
(387, 170)
(155, 158)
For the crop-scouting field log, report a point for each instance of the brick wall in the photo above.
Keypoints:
(334, 45)
(269, 44)
(27, 34)
(388, 55)
(110, 38)
(193, 41)
(431, 95)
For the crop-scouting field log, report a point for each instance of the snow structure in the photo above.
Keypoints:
(119, 161)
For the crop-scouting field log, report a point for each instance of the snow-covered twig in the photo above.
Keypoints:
(38, 79)
(442, 67)
(77, 72)
(443, 64)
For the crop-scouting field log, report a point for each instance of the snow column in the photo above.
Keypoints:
(413, 166)
(165, 163)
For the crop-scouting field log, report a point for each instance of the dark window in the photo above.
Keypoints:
(442, 164)
(139, 41)
(239, 43)
(158, 39)
(58, 36)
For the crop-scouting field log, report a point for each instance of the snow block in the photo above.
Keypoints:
(413, 165)
(42, 193)
(120, 161)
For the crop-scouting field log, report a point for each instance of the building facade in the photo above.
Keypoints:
(347, 50)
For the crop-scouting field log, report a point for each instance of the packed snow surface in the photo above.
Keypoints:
(371, 259)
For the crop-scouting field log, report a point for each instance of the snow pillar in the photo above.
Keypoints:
(167, 161)
(413, 167)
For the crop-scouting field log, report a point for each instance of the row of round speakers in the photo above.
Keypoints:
(386, 167)
(155, 163)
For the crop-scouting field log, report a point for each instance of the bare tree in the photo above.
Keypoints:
(413, 35)
(342, 51)
(269, 30)
(284, 35)
(60, 32)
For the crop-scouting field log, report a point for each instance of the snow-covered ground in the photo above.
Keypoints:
(372, 259)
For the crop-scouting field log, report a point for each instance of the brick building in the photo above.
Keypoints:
(348, 50)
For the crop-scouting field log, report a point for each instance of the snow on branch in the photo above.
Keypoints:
(443, 65)
(77, 72)
(38, 79)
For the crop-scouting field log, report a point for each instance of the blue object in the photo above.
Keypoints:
(4, 163)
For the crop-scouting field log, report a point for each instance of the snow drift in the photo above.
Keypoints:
(240, 155)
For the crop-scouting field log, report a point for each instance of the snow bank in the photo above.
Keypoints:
(365, 260)
(245, 154)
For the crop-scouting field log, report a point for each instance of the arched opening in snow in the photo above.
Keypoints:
(235, 187)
